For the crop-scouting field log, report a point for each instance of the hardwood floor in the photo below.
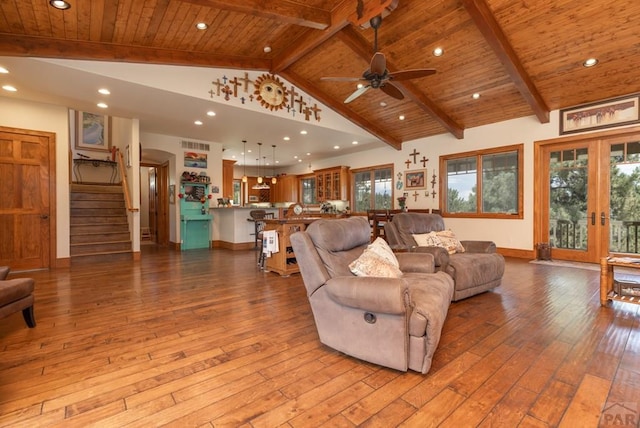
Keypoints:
(202, 338)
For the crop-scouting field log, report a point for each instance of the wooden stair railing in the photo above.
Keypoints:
(125, 186)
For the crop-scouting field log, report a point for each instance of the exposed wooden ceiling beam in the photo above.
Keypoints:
(280, 10)
(356, 43)
(343, 14)
(340, 108)
(493, 34)
(29, 46)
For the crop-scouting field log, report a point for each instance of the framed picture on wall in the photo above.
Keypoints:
(416, 179)
(93, 131)
(604, 114)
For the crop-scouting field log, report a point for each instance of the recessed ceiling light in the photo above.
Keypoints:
(59, 4)
(336, 147)
(9, 88)
(590, 62)
(211, 113)
(359, 86)
(198, 122)
(354, 142)
(299, 160)
(201, 26)
(438, 51)
(4, 70)
(303, 132)
(475, 96)
(104, 91)
(383, 104)
(401, 117)
(308, 154)
(267, 49)
(295, 157)
(102, 105)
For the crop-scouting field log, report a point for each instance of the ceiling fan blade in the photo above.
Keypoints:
(378, 64)
(411, 74)
(356, 94)
(392, 90)
(342, 79)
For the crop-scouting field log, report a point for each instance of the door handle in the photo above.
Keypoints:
(593, 218)
(44, 216)
(602, 218)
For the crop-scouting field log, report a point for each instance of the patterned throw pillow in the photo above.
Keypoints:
(381, 248)
(445, 239)
(372, 264)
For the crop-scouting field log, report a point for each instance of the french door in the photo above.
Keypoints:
(588, 195)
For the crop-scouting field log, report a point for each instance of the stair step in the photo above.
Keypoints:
(97, 203)
(97, 212)
(102, 220)
(100, 248)
(104, 257)
(96, 188)
(92, 229)
(93, 238)
(76, 197)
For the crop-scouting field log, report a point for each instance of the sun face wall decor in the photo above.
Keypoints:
(270, 92)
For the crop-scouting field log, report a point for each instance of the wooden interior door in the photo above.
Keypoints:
(27, 183)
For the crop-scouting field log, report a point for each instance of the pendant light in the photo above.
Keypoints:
(244, 162)
(274, 180)
(259, 152)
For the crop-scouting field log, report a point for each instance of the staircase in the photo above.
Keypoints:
(99, 226)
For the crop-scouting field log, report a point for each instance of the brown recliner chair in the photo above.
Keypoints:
(478, 269)
(16, 295)
(393, 322)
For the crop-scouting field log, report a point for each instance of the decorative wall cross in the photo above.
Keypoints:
(408, 163)
(217, 84)
(424, 161)
(246, 81)
(415, 195)
(414, 154)
(235, 84)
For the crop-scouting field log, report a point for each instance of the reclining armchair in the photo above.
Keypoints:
(16, 295)
(395, 322)
(478, 269)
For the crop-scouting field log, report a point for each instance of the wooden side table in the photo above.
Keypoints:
(607, 291)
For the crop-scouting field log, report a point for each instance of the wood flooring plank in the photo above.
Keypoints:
(204, 338)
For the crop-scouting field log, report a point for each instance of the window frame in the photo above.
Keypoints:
(301, 178)
(371, 170)
(478, 154)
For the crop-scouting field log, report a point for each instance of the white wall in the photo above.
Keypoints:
(172, 145)
(508, 233)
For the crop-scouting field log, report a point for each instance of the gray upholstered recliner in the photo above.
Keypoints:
(16, 295)
(478, 269)
(393, 322)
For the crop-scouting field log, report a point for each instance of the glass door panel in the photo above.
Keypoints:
(624, 197)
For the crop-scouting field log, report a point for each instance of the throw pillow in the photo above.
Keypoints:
(381, 248)
(444, 238)
(427, 240)
(450, 242)
(371, 264)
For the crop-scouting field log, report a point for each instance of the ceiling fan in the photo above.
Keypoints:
(377, 75)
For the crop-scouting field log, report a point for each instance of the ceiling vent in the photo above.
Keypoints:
(192, 145)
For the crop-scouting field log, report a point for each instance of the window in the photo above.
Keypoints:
(308, 190)
(373, 188)
(486, 183)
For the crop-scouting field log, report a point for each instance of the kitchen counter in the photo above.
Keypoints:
(232, 230)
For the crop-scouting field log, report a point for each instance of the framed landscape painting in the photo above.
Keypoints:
(93, 131)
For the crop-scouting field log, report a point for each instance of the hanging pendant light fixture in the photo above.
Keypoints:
(274, 180)
(244, 162)
(259, 152)
(260, 185)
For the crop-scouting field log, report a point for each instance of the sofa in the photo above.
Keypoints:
(394, 322)
(478, 269)
(16, 295)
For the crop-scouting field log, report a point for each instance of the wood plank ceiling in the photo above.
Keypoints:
(524, 58)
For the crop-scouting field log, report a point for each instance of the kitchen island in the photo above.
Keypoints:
(232, 231)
